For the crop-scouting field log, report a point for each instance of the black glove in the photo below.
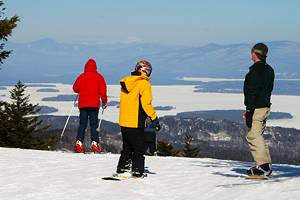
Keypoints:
(249, 116)
(155, 124)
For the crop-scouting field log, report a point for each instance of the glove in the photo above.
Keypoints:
(104, 105)
(155, 124)
(248, 115)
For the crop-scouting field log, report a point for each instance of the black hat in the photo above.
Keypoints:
(261, 50)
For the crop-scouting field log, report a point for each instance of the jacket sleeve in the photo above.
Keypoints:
(146, 100)
(103, 90)
(76, 85)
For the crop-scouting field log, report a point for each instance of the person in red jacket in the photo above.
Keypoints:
(90, 86)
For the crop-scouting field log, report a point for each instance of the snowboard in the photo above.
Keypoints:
(115, 177)
(257, 177)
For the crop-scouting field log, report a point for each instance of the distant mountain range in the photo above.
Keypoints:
(49, 61)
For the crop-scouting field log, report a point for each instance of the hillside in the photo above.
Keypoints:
(220, 139)
(40, 175)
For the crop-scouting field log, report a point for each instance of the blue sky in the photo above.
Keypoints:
(187, 22)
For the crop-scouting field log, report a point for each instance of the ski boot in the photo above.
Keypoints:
(79, 148)
(95, 147)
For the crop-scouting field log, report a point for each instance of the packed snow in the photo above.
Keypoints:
(40, 175)
(182, 97)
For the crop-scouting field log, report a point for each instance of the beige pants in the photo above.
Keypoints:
(258, 147)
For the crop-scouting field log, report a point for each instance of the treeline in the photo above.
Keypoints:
(110, 138)
(192, 137)
(226, 140)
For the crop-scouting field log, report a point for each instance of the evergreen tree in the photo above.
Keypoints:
(3, 122)
(189, 150)
(21, 124)
(6, 27)
(166, 149)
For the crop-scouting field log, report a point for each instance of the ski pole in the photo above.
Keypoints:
(98, 129)
(73, 106)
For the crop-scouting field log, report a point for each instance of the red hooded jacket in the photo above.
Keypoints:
(91, 87)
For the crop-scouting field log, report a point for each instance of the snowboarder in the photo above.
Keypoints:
(90, 86)
(258, 86)
(135, 107)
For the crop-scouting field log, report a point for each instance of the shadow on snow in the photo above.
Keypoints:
(238, 169)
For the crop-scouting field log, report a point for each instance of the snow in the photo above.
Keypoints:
(181, 97)
(35, 175)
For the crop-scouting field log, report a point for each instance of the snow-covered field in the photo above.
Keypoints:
(40, 175)
(182, 98)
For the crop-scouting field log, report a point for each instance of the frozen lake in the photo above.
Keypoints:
(181, 97)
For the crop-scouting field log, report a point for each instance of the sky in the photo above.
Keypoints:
(189, 22)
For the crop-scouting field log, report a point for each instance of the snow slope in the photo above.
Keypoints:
(33, 175)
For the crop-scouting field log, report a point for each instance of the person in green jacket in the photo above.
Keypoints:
(258, 86)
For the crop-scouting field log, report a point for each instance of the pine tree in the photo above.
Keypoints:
(6, 27)
(189, 150)
(21, 123)
(166, 149)
(3, 122)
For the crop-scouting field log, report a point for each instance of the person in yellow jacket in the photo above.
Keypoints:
(135, 107)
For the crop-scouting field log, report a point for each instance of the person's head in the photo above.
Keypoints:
(259, 52)
(90, 66)
(144, 66)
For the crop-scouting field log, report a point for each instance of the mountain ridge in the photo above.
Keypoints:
(47, 60)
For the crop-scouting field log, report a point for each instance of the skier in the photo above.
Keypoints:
(135, 107)
(90, 86)
(258, 86)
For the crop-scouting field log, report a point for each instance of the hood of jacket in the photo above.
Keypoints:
(90, 66)
(128, 83)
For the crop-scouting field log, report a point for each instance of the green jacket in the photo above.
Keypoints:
(258, 86)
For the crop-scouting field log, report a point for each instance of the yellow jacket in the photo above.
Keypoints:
(135, 101)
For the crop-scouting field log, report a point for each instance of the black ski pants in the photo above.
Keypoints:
(133, 148)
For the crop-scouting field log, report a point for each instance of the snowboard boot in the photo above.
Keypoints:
(122, 174)
(95, 147)
(260, 170)
(138, 175)
(125, 168)
(120, 171)
(79, 147)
